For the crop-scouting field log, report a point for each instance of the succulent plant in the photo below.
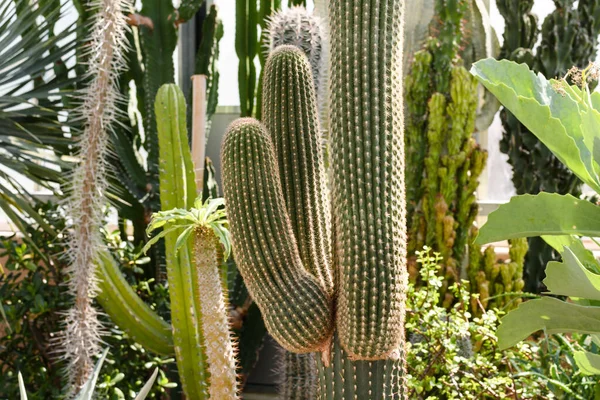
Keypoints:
(296, 261)
(81, 336)
(443, 160)
(297, 27)
(199, 331)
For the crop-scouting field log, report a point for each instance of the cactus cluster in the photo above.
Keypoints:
(569, 37)
(193, 230)
(443, 160)
(329, 278)
(498, 283)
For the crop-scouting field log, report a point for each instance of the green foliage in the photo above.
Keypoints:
(499, 284)
(453, 355)
(88, 391)
(32, 298)
(568, 38)
(35, 85)
(444, 161)
(565, 118)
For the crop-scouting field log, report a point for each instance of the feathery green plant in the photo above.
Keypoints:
(278, 206)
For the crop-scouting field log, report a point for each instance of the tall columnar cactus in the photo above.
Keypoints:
(86, 199)
(295, 264)
(568, 38)
(444, 161)
(298, 376)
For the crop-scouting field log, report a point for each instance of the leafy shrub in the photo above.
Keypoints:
(453, 355)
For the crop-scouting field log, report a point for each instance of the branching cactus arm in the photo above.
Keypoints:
(296, 307)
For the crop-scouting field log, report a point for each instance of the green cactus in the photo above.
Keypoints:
(206, 61)
(278, 206)
(498, 283)
(199, 333)
(568, 38)
(444, 161)
(299, 376)
(297, 27)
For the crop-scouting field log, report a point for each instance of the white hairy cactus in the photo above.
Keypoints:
(107, 44)
(298, 27)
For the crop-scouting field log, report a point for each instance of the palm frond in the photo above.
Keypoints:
(36, 83)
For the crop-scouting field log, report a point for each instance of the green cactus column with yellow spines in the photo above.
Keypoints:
(296, 307)
(277, 205)
(290, 115)
(367, 160)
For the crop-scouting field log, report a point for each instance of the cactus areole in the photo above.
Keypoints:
(328, 270)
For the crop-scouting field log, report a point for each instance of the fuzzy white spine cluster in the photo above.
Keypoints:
(298, 27)
(99, 109)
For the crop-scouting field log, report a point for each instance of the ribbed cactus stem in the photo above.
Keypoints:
(299, 376)
(86, 200)
(367, 145)
(291, 117)
(277, 205)
(217, 336)
(295, 305)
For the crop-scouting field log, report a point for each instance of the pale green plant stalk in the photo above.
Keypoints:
(207, 226)
(81, 336)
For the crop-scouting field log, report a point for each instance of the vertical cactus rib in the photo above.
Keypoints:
(295, 305)
(177, 190)
(219, 349)
(368, 175)
(291, 117)
(290, 114)
(346, 379)
(299, 376)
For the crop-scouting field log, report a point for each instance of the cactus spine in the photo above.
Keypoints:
(86, 200)
(277, 202)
